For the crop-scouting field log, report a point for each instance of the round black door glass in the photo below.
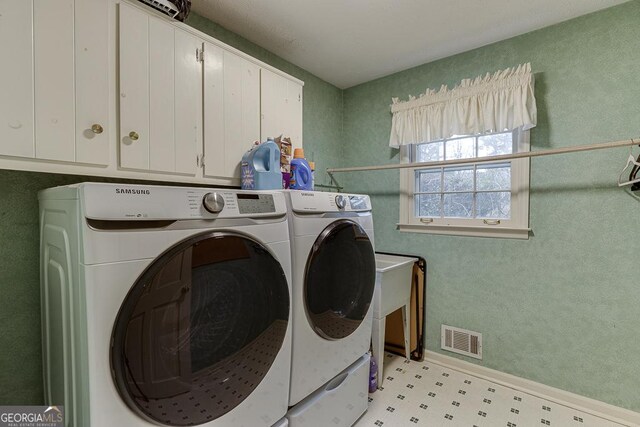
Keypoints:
(200, 329)
(339, 280)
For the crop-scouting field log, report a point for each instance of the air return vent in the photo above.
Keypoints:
(164, 6)
(461, 341)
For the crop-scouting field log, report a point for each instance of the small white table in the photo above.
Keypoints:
(392, 291)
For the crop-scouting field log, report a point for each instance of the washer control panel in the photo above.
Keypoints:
(225, 204)
(138, 202)
(317, 201)
(255, 203)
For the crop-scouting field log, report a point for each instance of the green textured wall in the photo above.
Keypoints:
(562, 308)
(20, 349)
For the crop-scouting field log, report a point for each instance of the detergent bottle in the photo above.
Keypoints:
(373, 374)
(260, 168)
(301, 178)
(312, 166)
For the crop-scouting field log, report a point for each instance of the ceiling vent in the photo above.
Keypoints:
(461, 341)
(163, 6)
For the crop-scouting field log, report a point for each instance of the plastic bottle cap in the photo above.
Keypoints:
(312, 165)
(298, 153)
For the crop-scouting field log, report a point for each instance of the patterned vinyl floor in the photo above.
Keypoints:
(427, 394)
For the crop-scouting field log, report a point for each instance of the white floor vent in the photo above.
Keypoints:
(461, 341)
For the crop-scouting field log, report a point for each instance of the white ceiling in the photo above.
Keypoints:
(354, 41)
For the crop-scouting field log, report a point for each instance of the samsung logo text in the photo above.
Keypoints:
(133, 191)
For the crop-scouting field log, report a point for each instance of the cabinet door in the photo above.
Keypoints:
(134, 88)
(16, 78)
(280, 107)
(272, 93)
(293, 111)
(250, 105)
(241, 110)
(92, 81)
(188, 102)
(54, 79)
(162, 97)
(175, 91)
(214, 119)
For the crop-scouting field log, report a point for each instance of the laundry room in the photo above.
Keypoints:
(236, 213)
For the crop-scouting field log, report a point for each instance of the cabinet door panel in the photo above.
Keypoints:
(293, 113)
(234, 143)
(54, 80)
(134, 88)
(16, 78)
(241, 110)
(188, 102)
(281, 107)
(250, 103)
(214, 118)
(92, 81)
(273, 87)
(162, 96)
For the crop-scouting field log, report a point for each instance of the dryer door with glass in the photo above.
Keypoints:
(200, 329)
(339, 280)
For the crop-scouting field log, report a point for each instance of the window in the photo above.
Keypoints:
(477, 199)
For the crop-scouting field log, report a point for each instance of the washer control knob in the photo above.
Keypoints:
(341, 201)
(213, 202)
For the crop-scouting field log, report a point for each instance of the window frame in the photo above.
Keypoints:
(517, 226)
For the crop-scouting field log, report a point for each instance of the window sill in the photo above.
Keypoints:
(462, 230)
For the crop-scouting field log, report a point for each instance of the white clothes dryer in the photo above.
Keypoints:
(333, 282)
(165, 305)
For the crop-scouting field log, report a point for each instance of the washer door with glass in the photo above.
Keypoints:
(200, 329)
(339, 280)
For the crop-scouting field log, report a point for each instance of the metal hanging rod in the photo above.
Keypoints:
(565, 150)
(335, 187)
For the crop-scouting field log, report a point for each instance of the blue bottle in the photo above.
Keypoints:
(260, 168)
(301, 178)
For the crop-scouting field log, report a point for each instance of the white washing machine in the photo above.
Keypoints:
(334, 271)
(165, 305)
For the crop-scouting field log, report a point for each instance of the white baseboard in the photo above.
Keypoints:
(561, 397)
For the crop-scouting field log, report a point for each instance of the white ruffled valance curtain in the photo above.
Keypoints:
(493, 103)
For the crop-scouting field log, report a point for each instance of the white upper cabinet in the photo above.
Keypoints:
(16, 78)
(161, 104)
(241, 110)
(114, 88)
(134, 88)
(214, 119)
(188, 93)
(92, 81)
(54, 80)
(273, 91)
(160, 95)
(231, 110)
(294, 108)
(281, 107)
